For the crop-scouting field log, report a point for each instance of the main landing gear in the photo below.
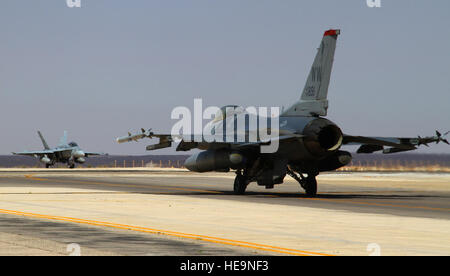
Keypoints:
(309, 183)
(240, 183)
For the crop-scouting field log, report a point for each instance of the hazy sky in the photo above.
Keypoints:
(113, 66)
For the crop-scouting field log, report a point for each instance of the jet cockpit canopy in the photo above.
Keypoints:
(228, 110)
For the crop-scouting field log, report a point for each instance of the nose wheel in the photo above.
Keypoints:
(240, 183)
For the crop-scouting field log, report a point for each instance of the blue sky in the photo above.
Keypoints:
(115, 66)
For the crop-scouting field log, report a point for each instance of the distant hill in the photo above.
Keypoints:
(372, 161)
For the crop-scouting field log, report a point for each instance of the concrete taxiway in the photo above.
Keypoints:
(174, 212)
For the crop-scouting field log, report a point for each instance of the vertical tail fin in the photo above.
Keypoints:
(313, 101)
(63, 140)
(43, 140)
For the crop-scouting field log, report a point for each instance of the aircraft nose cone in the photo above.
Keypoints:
(191, 162)
(78, 154)
(345, 159)
(45, 160)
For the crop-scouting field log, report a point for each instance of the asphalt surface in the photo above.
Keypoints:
(411, 195)
(394, 199)
(97, 241)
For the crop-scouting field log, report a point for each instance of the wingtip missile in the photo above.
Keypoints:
(134, 137)
(440, 137)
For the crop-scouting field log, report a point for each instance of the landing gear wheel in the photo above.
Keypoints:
(309, 183)
(47, 166)
(310, 186)
(71, 166)
(240, 184)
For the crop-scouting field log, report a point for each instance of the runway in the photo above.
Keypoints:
(173, 212)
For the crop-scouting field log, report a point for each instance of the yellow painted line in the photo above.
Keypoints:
(30, 176)
(65, 193)
(250, 245)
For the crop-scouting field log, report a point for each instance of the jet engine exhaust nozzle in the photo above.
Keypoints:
(322, 137)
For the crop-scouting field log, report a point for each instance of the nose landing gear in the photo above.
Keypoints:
(240, 183)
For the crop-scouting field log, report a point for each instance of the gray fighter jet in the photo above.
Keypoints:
(69, 153)
(308, 142)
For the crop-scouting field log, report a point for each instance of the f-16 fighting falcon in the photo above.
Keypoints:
(308, 143)
(68, 153)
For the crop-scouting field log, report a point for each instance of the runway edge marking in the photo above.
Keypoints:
(250, 245)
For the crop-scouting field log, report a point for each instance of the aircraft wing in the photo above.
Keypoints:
(165, 141)
(186, 146)
(35, 153)
(88, 153)
(286, 137)
(393, 144)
